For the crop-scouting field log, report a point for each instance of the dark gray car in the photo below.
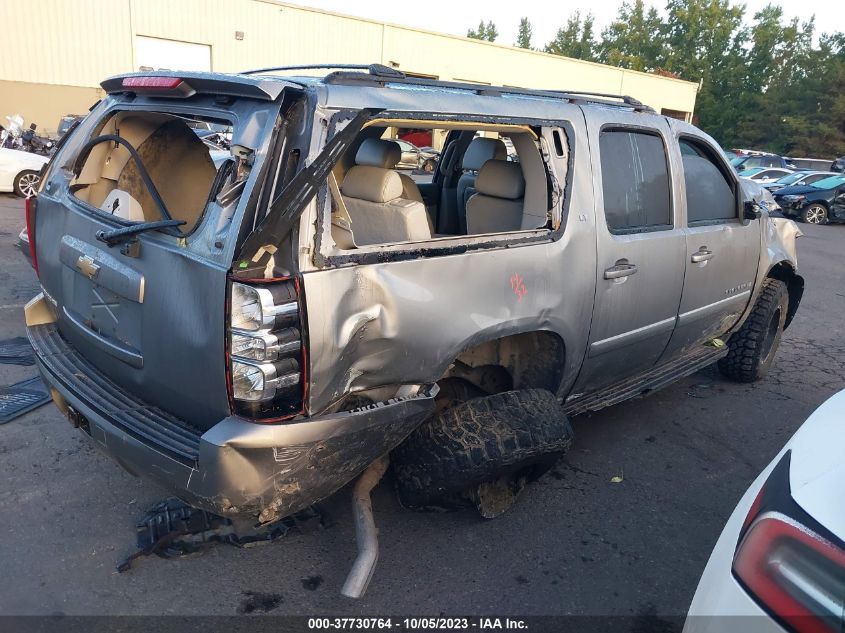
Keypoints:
(252, 333)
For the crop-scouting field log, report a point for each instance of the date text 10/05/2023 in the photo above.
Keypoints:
(417, 624)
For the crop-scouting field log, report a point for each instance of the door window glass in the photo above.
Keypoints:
(635, 181)
(710, 194)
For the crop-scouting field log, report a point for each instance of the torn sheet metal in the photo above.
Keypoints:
(172, 528)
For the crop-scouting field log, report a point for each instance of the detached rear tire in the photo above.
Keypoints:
(752, 348)
(515, 434)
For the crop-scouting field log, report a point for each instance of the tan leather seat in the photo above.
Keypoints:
(480, 150)
(378, 152)
(497, 206)
(378, 212)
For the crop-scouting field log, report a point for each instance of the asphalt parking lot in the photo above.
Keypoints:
(574, 544)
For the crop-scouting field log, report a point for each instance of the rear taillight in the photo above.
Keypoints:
(798, 575)
(31, 206)
(790, 564)
(265, 349)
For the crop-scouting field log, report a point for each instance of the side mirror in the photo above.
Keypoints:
(751, 211)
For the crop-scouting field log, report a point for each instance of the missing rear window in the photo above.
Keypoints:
(150, 165)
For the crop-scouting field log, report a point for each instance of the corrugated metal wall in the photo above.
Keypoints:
(79, 43)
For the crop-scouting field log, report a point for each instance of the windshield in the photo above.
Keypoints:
(829, 183)
(790, 178)
(736, 162)
(750, 172)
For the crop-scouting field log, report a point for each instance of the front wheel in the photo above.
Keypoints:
(26, 183)
(752, 348)
(815, 214)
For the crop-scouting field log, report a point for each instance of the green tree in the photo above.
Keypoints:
(635, 39)
(523, 36)
(705, 41)
(487, 32)
(575, 39)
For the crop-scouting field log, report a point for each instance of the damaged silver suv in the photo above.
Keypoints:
(253, 326)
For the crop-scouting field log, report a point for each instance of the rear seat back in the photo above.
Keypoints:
(498, 204)
(480, 150)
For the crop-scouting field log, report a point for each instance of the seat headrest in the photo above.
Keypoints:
(377, 152)
(373, 184)
(481, 150)
(501, 179)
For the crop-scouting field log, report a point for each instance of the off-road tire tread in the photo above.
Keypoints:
(477, 441)
(742, 362)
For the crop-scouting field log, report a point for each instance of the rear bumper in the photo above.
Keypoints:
(236, 467)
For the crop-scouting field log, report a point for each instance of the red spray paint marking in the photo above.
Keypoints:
(518, 286)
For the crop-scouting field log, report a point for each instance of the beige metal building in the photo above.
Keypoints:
(51, 62)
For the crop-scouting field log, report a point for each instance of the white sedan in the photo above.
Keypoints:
(19, 171)
(781, 557)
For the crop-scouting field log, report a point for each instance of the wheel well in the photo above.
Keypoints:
(794, 284)
(519, 361)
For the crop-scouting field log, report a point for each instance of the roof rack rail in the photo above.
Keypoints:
(395, 76)
(378, 70)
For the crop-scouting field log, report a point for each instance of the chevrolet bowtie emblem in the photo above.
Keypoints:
(87, 266)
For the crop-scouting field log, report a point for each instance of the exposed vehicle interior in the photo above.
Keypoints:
(479, 187)
(185, 170)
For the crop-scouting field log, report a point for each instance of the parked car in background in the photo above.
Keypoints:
(67, 122)
(414, 157)
(20, 171)
(818, 203)
(815, 164)
(760, 160)
(765, 175)
(798, 178)
(781, 556)
(838, 165)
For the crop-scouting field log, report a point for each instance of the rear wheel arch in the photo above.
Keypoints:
(525, 360)
(785, 272)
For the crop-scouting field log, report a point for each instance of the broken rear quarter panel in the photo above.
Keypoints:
(404, 322)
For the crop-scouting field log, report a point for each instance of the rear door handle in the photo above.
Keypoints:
(620, 270)
(701, 256)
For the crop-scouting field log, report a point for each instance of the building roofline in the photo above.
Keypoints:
(526, 51)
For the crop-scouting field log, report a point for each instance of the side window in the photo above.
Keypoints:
(809, 180)
(710, 194)
(635, 181)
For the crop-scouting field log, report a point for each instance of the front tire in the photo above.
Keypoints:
(752, 348)
(514, 436)
(26, 183)
(815, 214)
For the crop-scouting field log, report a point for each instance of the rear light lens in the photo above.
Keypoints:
(158, 86)
(141, 83)
(253, 309)
(789, 563)
(265, 350)
(31, 207)
(796, 573)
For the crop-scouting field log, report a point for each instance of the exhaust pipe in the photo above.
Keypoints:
(366, 533)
